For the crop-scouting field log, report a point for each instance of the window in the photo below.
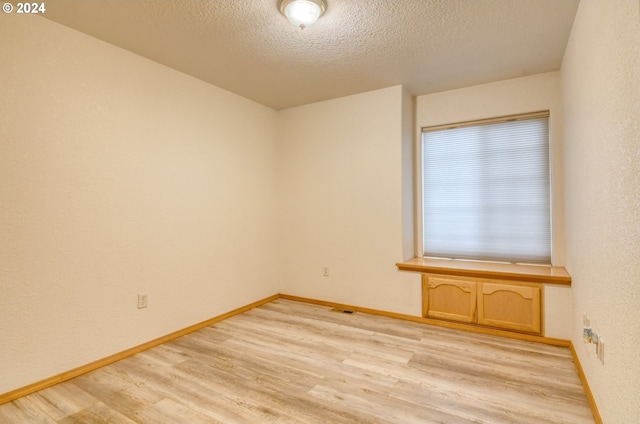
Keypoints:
(486, 190)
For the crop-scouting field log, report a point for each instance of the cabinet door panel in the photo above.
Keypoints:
(450, 298)
(515, 307)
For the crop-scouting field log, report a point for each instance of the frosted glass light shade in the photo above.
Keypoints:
(302, 13)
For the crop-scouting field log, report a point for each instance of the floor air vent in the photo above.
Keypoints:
(343, 311)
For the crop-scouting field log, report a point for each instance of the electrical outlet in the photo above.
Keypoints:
(589, 335)
(325, 271)
(142, 300)
(586, 329)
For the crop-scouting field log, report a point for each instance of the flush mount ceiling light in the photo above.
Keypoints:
(302, 13)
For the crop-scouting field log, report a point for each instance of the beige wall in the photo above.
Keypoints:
(520, 95)
(341, 201)
(120, 176)
(601, 93)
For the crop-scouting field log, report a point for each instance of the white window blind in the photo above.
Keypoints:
(486, 190)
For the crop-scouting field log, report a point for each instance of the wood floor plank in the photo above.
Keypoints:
(317, 369)
(62, 400)
(290, 362)
(169, 412)
(23, 412)
(97, 414)
(369, 323)
(383, 408)
(197, 394)
(116, 392)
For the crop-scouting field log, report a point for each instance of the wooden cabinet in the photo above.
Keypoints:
(509, 306)
(451, 298)
(503, 304)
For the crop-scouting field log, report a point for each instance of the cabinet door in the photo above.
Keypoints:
(514, 307)
(450, 298)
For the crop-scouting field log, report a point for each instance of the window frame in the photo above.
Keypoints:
(419, 234)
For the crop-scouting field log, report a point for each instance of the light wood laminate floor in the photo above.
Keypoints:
(290, 362)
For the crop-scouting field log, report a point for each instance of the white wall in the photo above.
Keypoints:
(120, 176)
(341, 201)
(520, 95)
(601, 94)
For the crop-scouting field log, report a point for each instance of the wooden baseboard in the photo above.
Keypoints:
(585, 385)
(447, 324)
(48, 382)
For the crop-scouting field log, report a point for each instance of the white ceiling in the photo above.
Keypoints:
(249, 48)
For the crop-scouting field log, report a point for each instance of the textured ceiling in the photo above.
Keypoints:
(247, 47)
